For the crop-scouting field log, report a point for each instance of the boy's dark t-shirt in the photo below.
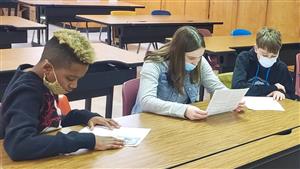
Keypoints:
(28, 108)
(246, 68)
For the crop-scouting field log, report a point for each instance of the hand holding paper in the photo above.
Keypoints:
(225, 100)
(194, 113)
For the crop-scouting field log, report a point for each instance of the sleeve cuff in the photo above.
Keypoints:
(89, 116)
(179, 111)
(85, 116)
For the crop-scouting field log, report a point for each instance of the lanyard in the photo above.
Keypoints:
(267, 75)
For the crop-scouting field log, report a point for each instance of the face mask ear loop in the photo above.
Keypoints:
(44, 76)
(52, 70)
(55, 75)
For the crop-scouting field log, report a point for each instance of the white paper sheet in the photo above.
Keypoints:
(225, 100)
(262, 103)
(131, 136)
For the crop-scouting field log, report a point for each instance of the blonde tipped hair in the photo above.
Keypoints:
(78, 43)
(269, 39)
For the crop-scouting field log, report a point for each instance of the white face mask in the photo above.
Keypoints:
(267, 62)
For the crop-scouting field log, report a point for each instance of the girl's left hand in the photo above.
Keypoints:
(97, 120)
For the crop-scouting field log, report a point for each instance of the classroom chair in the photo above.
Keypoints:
(226, 79)
(10, 6)
(63, 104)
(229, 61)
(204, 32)
(297, 76)
(115, 32)
(100, 31)
(240, 32)
(212, 60)
(162, 13)
(129, 92)
(42, 21)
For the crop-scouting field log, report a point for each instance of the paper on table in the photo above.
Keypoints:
(262, 103)
(225, 100)
(131, 136)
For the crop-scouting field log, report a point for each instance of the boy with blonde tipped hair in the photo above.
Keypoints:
(29, 103)
(261, 70)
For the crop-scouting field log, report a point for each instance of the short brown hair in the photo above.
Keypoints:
(269, 39)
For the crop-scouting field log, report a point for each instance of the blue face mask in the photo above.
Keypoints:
(189, 67)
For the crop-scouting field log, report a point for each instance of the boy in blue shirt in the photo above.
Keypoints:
(261, 70)
(29, 103)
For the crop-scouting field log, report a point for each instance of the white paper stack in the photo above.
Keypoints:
(262, 103)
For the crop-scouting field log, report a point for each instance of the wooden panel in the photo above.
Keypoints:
(176, 7)
(246, 19)
(153, 5)
(142, 11)
(223, 11)
(298, 4)
(197, 9)
(284, 16)
(79, 2)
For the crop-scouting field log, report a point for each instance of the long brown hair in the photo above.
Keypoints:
(185, 39)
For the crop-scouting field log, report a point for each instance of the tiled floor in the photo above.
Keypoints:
(98, 103)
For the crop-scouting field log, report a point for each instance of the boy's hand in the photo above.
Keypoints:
(194, 113)
(105, 143)
(97, 120)
(280, 87)
(277, 95)
(240, 107)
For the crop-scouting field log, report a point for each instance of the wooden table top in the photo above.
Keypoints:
(144, 19)
(227, 43)
(248, 153)
(10, 59)
(219, 44)
(173, 141)
(19, 23)
(98, 3)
